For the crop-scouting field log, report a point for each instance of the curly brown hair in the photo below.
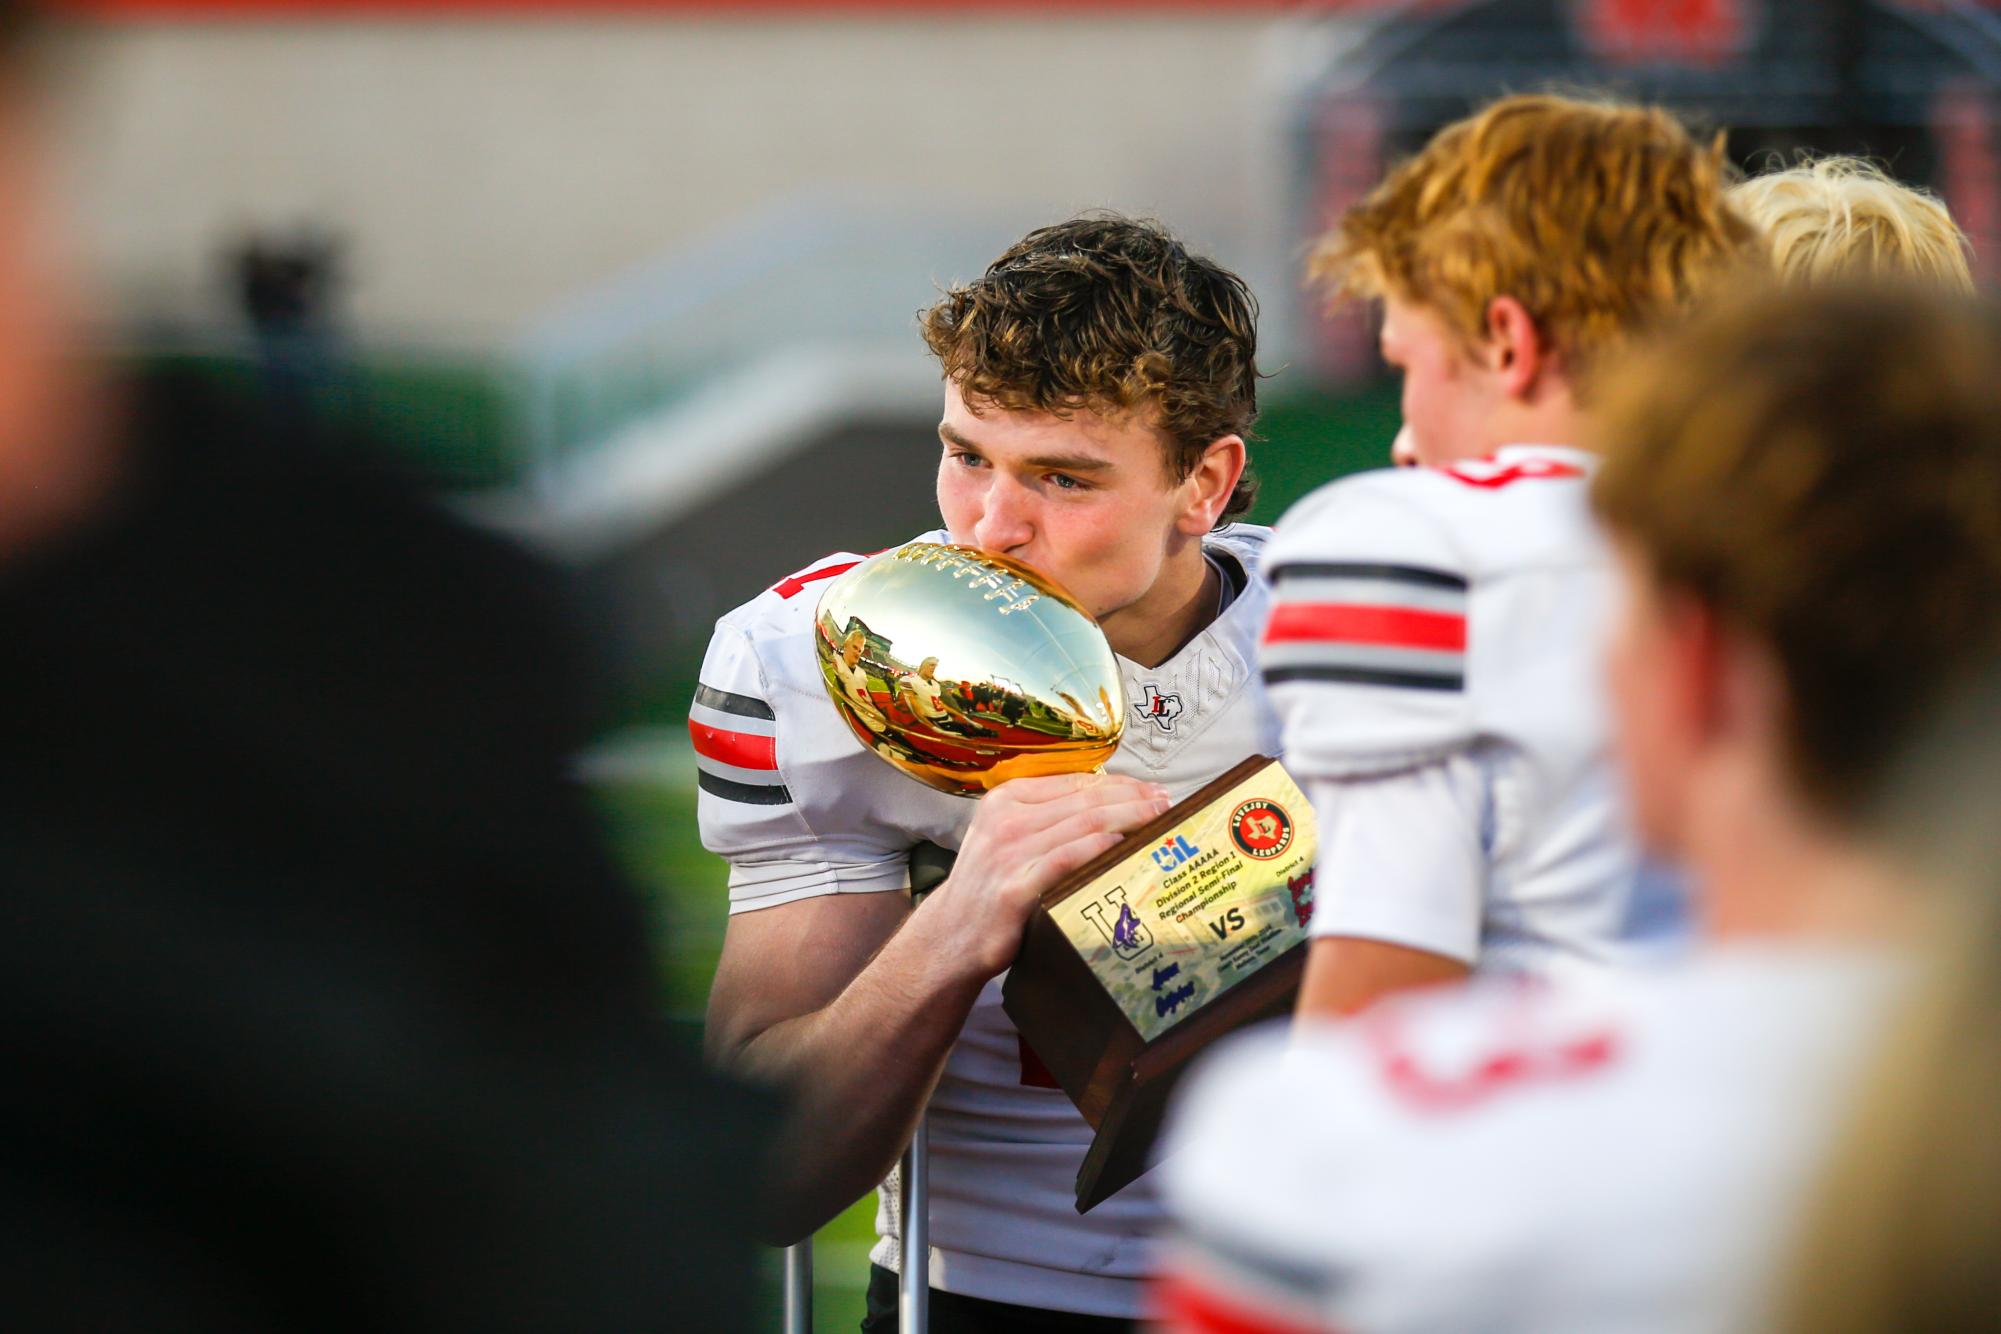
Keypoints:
(1113, 315)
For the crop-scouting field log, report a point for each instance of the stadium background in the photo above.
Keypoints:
(635, 280)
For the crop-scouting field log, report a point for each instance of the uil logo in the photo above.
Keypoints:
(1158, 709)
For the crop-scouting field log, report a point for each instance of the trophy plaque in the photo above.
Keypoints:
(964, 669)
(1190, 927)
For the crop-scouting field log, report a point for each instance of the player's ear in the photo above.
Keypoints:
(1750, 692)
(1516, 349)
(1207, 489)
(1699, 654)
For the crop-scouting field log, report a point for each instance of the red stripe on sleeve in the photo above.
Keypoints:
(1183, 1306)
(1348, 623)
(745, 750)
(794, 584)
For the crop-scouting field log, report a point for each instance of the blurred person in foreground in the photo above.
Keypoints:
(1843, 217)
(1904, 1233)
(324, 1007)
(1432, 650)
(1099, 380)
(1804, 493)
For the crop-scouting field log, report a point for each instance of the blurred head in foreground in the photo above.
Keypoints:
(325, 1006)
(55, 461)
(1844, 217)
(1517, 249)
(1804, 491)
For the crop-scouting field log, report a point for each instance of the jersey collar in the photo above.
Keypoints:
(1577, 458)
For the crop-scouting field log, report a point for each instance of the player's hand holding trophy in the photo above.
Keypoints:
(965, 669)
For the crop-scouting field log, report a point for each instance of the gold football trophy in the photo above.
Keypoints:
(965, 669)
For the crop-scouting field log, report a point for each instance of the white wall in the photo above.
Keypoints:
(485, 170)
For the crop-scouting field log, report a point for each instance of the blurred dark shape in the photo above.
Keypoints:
(287, 286)
(324, 1007)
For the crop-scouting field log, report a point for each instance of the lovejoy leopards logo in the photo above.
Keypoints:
(1158, 709)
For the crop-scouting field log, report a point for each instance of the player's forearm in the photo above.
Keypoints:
(1346, 975)
(860, 1071)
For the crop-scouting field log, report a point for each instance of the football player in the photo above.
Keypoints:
(1099, 380)
(1804, 493)
(1431, 645)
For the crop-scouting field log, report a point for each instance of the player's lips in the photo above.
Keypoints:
(1024, 556)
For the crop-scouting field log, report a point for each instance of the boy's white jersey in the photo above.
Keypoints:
(1617, 1154)
(1434, 656)
(800, 809)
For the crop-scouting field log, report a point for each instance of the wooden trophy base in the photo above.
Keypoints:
(1208, 937)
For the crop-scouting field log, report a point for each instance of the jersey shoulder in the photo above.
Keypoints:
(1544, 1056)
(794, 803)
(789, 603)
(1246, 543)
(1394, 589)
(1534, 1109)
(1401, 1105)
(1414, 1057)
(1474, 520)
(1364, 651)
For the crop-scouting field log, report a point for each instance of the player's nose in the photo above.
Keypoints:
(1006, 522)
(1403, 450)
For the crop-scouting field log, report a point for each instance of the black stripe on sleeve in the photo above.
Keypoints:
(1369, 676)
(724, 702)
(750, 794)
(1419, 575)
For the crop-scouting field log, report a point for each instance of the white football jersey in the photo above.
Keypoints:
(1434, 655)
(799, 809)
(1618, 1154)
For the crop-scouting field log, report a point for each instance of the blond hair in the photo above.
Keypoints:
(1843, 215)
(1598, 217)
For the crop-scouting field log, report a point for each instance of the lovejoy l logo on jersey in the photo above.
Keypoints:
(1158, 709)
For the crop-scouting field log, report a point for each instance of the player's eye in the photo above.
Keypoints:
(964, 458)
(1063, 481)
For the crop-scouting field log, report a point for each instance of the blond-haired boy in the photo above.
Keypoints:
(1431, 651)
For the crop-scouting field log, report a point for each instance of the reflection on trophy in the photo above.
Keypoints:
(964, 668)
(851, 683)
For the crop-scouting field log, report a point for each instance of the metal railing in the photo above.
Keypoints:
(913, 1290)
